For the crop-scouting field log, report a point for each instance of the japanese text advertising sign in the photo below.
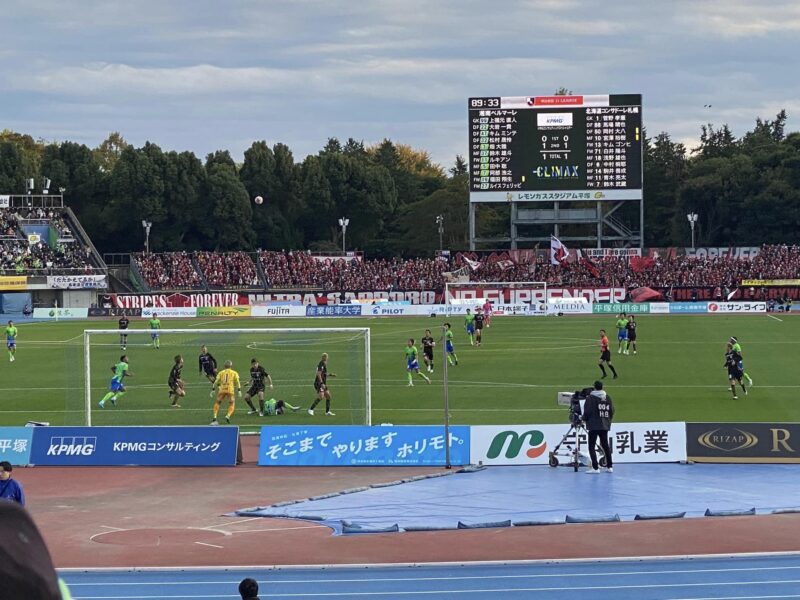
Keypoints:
(531, 444)
(15, 444)
(361, 446)
(147, 446)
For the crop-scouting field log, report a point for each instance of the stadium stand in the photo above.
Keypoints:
(299, 269)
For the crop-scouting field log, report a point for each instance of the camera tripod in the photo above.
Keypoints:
(573, 451)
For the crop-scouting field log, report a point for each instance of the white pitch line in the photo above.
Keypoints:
(210, 545)
(774, 317)
(112, 528)
(280, 529)
(210, 529)
(213, 322)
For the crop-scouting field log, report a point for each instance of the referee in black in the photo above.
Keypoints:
(598, 412)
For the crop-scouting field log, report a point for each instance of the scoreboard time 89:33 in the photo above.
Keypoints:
(545, 148)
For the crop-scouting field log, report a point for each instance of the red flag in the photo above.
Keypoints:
(558, 252)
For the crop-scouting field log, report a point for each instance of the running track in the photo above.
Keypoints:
(740, 578)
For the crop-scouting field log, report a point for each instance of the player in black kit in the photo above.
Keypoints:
(631, 327)
(175, 382)
(479, 321)
(427, 349)
(258, 381)
(321, 386)
(123, 337)
(208, 367)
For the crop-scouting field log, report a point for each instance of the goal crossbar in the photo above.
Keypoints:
(88, 333)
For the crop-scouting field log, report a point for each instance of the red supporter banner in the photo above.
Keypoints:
(175, 300)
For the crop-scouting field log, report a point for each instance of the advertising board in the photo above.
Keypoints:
(743, 442)
(146, 446)
(15, 444)
(60, 313)
(317, 445)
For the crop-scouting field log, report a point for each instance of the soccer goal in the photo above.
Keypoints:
(513, 293)
(289, 355)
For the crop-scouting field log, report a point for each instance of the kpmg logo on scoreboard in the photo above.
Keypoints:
(557, 172)
(554, 120)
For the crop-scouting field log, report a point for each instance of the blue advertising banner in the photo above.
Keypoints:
(334, 310)
(688, 307)
(15, 445)
(408, 445)
(145, 446)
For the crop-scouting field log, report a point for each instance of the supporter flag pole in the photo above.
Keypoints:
(447, 464)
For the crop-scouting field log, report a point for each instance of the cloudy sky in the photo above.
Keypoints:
(209, 74)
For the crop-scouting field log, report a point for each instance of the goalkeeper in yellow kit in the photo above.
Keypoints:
(226, 382)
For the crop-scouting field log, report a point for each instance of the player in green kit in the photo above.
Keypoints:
(117, 387)
(469, 325)
(412, 363)
(155, 326)
(274, 407)
(448, 345)
(11, 340)
(737, 348)
(622, 334)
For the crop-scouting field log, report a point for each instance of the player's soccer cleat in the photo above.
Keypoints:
(330, 414)
(228, 420)
(175, 405)
(102, 404)
(252, 412)
(745, 391)
(428, 379)
(311, 411)
(410, 384)
(294, 408)
(736, 397)
(214, 422)
(114, 400)
(749, 380)
(619, 351)
(634, 351)
(592, 471)
(11, 359)
(609, 469)
(211, 394)
(261, 414)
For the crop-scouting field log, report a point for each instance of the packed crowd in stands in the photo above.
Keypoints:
(287, 270)
(19, 256)
(230, 270)
(168, 271)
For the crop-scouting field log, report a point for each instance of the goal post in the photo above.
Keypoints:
(496, 292)
(289, 355)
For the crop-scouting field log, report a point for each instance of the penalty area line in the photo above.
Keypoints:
(774, 317)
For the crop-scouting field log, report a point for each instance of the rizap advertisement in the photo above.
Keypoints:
(175, 313)
(317, 445)
(223, 311)
(15, 445)
(737, 307)
(631, 308)
(146, 446)
(532, 444)
(744, 442)
(60, 313)
(685, 308)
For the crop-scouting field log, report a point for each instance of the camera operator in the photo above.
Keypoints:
(598, 411)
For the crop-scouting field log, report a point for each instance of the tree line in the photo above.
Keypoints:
(746, 191)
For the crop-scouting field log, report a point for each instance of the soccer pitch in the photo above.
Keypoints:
(513, 378)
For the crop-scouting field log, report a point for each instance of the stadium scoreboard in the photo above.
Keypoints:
(553, 148)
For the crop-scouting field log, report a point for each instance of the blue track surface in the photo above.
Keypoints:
(743, 578)
(541, 493)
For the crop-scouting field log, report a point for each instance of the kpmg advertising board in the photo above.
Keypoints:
(743, 442)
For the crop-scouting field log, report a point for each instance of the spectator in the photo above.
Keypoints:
(10, 489)
(248, 589)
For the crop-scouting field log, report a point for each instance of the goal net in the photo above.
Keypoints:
(503, 295)
(290, 356)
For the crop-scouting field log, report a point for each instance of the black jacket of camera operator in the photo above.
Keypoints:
(598, 411)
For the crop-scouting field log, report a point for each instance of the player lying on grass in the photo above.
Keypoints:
(272, 407)
(117, 387)
(226, 382)
(258, 379)
(412, 363)
(175, 383)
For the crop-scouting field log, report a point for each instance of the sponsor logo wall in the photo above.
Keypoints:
(115, 312)
(335, 310)
(278, 311)
(60, 313)
(743, 442)
(531, 444)
(633, 308)
(362, 446)
(179, 313)
(224, 311)
(147, 446)
(737, 307)
(688, 308)
(177, 300)
(15, 444)
(76, 282)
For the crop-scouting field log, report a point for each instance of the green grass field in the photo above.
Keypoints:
(513, 378)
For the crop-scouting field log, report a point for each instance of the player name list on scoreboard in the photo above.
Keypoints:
(549, 148)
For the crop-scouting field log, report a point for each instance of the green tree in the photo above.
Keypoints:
(665, 166)
(230, 210)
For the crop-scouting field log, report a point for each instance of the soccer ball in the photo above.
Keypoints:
(258, 200)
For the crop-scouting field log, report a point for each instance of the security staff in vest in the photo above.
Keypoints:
(598, 412)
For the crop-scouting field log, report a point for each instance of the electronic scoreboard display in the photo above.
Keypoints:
(553, 148)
